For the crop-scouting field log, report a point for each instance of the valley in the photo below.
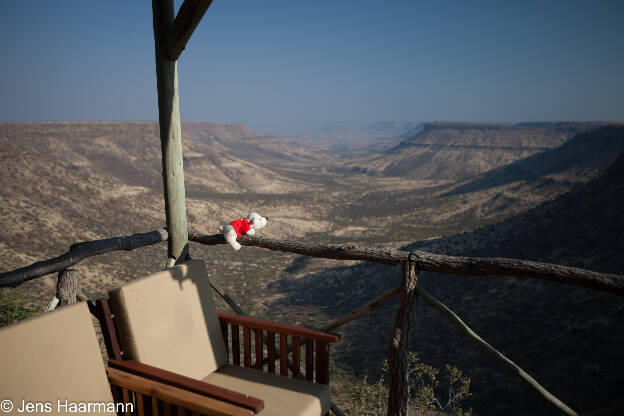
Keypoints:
(549, 192)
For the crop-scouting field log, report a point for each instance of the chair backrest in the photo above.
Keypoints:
(53, 358)
(168, 320)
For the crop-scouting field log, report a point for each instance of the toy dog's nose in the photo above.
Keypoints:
(267, 218)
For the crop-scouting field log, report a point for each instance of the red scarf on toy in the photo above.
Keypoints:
(240, 226)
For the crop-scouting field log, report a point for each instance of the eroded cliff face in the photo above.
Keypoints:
(456, 151)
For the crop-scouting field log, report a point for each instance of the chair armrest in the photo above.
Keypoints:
(189, 384)
(256, 323)
(173, 395)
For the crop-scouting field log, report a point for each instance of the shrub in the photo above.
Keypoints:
(14, 306)
(426, 395)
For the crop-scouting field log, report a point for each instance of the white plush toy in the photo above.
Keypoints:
(243, 226)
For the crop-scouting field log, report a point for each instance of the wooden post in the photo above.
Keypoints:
(66, 286)
(322, 362)
(170, 134)
(398, 347)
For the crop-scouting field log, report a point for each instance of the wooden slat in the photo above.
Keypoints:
(224, 333)
(140, 409)
(147, 405)
(117, 395)
(173, 395)
(109, 333)
(181, 411)
(166, 409)
(259, 347)
(283, 352)
(126, 399)
(235, 345)
(322, 362)
(309, 360)
(187, 383)
(247, 347)
(295, 357)
(271, 351)
(256, 323)
(155, 406)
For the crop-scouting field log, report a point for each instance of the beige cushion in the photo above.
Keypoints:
(168, 320)
(282, 396)
(54, 356)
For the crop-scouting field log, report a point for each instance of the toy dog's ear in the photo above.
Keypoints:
(252, 217)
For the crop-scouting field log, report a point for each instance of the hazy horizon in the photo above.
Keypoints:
(310, 127)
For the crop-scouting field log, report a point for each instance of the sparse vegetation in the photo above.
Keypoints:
(427, 394)
(14, 306)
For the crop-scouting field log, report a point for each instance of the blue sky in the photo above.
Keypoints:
(300, 63)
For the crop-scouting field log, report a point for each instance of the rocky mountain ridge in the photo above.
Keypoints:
(457, 151)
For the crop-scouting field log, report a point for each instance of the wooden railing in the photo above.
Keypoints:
(316, 343)
(439, 263)
(411, 264)
(78, 252)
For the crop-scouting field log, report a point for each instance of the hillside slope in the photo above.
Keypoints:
(582, 156)
(568, 338)
(238, 141)
(450, 207)
(131, 152)
(65, 182)
(455, 151)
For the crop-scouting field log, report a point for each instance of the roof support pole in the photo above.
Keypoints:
(170, 134)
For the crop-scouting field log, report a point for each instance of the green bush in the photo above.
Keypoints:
(426, 392)
(14, 306)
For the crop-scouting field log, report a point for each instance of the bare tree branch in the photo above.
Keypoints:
(439, 263)
(78, 252)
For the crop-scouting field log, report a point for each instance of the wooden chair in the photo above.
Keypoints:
(167, 322)
(52, 364)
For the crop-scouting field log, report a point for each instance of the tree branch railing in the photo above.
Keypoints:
(481, 343)
(362, 310)
(439, 263)
(411, 262)
(78, 252)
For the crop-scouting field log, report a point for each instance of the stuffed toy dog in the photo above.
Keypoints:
(243, 226)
